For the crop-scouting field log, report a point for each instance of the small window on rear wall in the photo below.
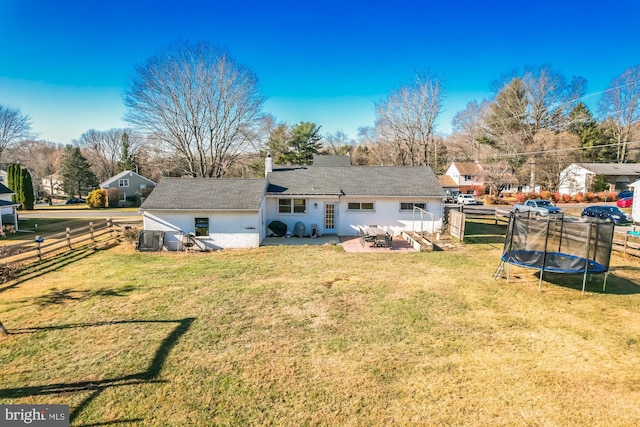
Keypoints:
(202, 227)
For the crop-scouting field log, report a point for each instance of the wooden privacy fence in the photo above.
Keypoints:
(40, 247)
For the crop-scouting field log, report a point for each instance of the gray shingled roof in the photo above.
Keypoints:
(612, 168)
(328, 160)
(5, 190)
(206, 193)
(416, 181)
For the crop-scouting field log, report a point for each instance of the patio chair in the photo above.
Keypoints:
(380, 240)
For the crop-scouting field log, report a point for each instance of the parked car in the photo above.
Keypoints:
(451, 197)
(625, 194)
(539, 207)
(75, 200)
(466, 199)
(625, 202)
(605, 213)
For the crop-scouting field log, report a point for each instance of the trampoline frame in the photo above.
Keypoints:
(591, 266)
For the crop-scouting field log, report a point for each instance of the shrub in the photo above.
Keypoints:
(566, 198)
(579, 198)
(589, 197)
(555, 197)
(114, 196)
(545, 194)
(520, 198)
(97, 198)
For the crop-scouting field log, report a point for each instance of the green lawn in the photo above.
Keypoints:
(315, 336)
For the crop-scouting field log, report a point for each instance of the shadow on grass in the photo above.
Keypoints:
(149, 376)
(616, 285)
(56, 297)
(48, 265)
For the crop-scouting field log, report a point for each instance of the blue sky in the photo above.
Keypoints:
(65, 63)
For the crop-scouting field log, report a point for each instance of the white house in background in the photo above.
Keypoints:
(339, 200)
(8, 209)
(579, 177)
(635, 208)
(3, 176)
(479, 178)
(129, 183)
(52, 185)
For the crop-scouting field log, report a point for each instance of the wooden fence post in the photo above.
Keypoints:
(626, 242)
(68, 237)
(38, 250)
(91, 231)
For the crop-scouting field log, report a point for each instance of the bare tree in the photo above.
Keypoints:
(198, 102)
(39, 157)
(620, 106)
(469, 125)
(13, 127)
(103, 149)
(338, 144)
(406, 120)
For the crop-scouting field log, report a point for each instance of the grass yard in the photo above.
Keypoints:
(315, 336)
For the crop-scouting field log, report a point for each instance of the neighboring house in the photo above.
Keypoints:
(469, 177)
(52, 185)
(635, 207)
(3, 176)
(482, 178)
(448, 184)
(8, 209)
(579, 177)
(236, 213)
(130, 183)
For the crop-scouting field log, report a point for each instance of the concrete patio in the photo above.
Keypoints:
(348, 243)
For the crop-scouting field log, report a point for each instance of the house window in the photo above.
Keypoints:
(202, 227)
(356, 206)
(123, 183)
(287, 206)
(143, 187)
(467, 177)
(409, 206)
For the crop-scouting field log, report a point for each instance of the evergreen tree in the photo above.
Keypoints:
(27, 197)
(585, 127)
(17, 177)
(76, 172)
(127, 160)
(10, 180)
(304, 143)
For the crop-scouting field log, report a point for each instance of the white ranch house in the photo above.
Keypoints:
(579, 177)
(338, 200)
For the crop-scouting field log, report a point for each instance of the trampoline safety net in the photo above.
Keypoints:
(558, 245)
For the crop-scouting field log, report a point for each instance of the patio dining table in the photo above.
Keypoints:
(378, 236)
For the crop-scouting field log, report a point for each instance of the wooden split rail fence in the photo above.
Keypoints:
(91, 235)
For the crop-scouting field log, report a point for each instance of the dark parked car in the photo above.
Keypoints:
(625, 194)
(605, 213)
(75, 200)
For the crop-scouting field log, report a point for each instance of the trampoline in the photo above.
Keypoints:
(558, 246)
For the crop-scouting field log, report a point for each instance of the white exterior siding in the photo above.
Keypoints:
(635, 208)
(313, 215)
(573, 180)
(386, 214)
(234, 229)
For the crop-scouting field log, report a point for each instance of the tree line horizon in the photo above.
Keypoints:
(194, 111)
